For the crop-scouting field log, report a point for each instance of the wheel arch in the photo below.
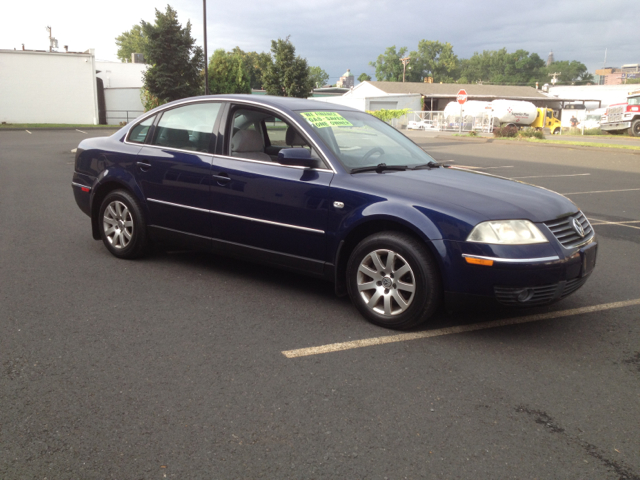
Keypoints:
(104, 188)
(365, 229)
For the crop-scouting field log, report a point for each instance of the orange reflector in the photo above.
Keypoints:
(479, 261)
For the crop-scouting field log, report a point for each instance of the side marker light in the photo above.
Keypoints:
(479, 261)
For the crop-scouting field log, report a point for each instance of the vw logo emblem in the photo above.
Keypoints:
(577, 226)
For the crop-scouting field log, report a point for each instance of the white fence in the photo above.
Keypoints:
(441, 122)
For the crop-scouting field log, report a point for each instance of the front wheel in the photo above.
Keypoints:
(556, 131)
(122, 226)
(393, 281)
(635, 128)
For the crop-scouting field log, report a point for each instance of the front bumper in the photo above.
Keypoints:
(527, 275)
(615, 126)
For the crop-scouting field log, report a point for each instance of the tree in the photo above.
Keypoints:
(501, 67)
(631, 81)
(572, 72)
(255, 64)
(130, 42)
(176, 63)
(318, 77)
(287, 75)
(364, 78)
(433, 59)
(227, 73)
(388, 65)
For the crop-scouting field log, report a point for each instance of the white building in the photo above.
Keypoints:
(366, 97)
(44, 87)
(607, 94)
(122, 85)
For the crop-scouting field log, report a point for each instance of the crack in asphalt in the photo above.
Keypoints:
(542, 418)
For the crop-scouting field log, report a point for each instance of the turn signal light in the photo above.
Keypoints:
(479, 261)
(85, 189)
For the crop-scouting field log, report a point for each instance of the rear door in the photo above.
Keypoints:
(174, 171)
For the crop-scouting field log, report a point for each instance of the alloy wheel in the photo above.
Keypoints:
(386, 282)
(118, 224)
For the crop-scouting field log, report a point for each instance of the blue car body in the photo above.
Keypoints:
(310, 219)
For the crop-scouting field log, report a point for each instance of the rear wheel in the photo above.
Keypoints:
(635, 128)
(122, 226)
(393, 281)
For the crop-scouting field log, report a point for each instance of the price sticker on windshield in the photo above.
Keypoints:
(326, 119)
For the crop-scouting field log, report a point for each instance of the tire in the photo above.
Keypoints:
(379, 294)
(635, 128)
(122, 226)
(556, 131)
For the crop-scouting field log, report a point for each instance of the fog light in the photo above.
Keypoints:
(525, 295)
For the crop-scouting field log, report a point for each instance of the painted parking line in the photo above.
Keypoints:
(28, 132)
(403, 337)
(555, 176)
(603, 191)
(80, 131)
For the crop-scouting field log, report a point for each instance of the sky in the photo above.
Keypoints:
(337, 35)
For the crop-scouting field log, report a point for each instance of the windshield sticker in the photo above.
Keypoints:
(326, 119)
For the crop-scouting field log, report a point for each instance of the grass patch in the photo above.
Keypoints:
(577, 144)
(53, 125)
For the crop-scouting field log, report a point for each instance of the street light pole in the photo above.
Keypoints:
(206, 59)
(404, 61)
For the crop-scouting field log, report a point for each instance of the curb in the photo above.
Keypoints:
(552, 145)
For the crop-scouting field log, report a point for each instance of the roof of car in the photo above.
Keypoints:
(285, 103)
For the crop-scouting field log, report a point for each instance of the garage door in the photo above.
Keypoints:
(377, 105)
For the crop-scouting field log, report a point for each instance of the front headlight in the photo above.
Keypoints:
(507, 232)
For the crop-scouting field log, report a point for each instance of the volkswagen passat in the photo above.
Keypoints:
(332, 192)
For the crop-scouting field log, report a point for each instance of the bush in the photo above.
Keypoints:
(531, 133)
(473, 133)
(508, 132)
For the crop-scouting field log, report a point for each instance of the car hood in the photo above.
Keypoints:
(489, 196)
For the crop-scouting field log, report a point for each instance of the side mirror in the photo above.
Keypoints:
(300, 157)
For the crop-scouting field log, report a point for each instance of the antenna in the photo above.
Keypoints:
(53, 43)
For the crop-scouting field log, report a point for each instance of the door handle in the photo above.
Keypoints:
(222, 178)
(143, 166)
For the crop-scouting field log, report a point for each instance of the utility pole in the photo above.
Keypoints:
(206, 59)
(555, 77)
(404, 61)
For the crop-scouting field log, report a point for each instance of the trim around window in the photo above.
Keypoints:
(229, 101)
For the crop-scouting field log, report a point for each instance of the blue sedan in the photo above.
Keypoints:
(332, 192)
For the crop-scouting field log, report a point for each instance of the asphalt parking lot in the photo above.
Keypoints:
(185, 365)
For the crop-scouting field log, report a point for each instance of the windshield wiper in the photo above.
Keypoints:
(379, 168)
(429, 165)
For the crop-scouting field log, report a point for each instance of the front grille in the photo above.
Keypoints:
(615, 114)
(573, 285)
(566, 233)
(540, 295)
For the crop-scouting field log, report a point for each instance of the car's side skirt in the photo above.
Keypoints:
(308, 266)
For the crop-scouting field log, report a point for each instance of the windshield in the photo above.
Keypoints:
(634, 101)
(361, 140)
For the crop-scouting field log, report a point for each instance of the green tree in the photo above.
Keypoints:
(287, 75)
(572, 72)
(433, 59)
(130, 42)
(388, 65)
(255, 64)
(632, 81)
(502, 67)
(364, 77)
(318, 77)
(227, 73)
(176, 63)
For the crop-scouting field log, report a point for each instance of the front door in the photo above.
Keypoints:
(267, 210)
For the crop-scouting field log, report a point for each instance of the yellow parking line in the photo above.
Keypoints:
(403, 337)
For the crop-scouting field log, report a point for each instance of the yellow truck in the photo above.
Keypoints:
(547, 118)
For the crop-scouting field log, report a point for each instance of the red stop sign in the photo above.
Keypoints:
(462, 96)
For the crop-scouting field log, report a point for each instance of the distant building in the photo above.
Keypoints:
(346, 81)
(550, 59)
(618, 76)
